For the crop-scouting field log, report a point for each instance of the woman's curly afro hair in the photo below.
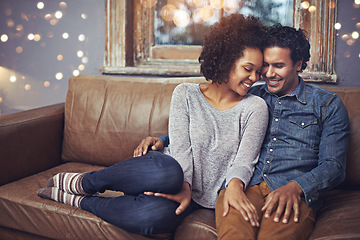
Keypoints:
(289, 37)
(226, 42)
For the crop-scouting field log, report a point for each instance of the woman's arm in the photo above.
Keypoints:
(179, 123)
(253, 130)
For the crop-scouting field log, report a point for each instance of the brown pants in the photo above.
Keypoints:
(235, 227)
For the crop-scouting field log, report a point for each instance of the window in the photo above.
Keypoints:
(135, 45)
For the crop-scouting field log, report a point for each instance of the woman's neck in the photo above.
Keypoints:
(220, 96)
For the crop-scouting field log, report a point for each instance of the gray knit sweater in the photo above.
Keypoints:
(213, 145)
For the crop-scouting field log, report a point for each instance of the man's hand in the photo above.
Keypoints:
(183, 197)
(155, 143)
(285, 199)
(236, 198)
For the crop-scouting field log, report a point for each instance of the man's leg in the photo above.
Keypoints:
(234, 226)
(291, 230)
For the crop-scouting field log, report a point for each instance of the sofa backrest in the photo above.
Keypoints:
(350, 97)
(106, 117)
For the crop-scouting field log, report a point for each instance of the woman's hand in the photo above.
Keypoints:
(183, 197)
(155, 143)
(236, 198)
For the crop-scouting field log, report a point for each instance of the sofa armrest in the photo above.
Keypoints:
(30, 141)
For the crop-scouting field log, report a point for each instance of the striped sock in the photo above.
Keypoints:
(68, 182)
(58, 195)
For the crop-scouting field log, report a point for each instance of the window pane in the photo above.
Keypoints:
(184, 22)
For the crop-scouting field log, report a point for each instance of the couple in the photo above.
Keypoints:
(261, 160)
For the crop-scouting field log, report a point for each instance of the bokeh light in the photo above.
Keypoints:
(312, 9)
(76, 73)
(217, 4)
(59, 76)
(167, 12)
(305, 4)
(181, 18)
(46, 83)
(19, 49)
(148, 3)
(81, 37)
(13, 79)
(40, 5)
(65, 35)
(63, 4)
(80, 53)
(27, 87)
(231, 6)
(58, 14)
(4, 38)
(337, 26)
(31, 36)
(355, 35)
(10, 23)
(59, 57)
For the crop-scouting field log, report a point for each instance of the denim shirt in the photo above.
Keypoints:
(306, 141)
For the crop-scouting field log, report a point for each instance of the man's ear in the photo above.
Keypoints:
(298, 65)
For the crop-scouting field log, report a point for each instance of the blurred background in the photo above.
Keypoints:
(44, 43)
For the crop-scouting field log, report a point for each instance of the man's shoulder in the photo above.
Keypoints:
(317, 93)
(255, 90)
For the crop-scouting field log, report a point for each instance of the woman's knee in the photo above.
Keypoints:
(170, 171)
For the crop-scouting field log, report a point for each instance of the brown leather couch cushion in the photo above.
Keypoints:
(350, 97)
(22, 209)
(105, 121)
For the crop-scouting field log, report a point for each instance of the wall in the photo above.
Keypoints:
(35, 73)
(34, 69)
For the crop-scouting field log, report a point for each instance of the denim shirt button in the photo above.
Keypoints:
(274, 138)
(310, 200)
(271, 149)
(267, 161)
(264, 174)
(276, 119)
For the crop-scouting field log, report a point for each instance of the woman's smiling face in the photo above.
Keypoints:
(246, 71)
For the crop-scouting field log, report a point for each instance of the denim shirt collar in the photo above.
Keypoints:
(298, 92)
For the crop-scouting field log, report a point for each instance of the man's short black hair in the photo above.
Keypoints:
(289, 37)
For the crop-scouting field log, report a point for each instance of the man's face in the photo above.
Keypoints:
(279, 72)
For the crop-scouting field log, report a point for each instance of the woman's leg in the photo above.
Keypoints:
(140, 214)
(154, 172)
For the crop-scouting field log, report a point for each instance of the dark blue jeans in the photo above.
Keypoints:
(135, 211)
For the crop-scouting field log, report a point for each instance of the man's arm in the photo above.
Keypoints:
(328, 174)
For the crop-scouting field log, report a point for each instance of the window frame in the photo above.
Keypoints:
(129, 42)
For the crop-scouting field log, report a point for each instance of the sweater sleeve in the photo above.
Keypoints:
(179, 120)
(253, 130)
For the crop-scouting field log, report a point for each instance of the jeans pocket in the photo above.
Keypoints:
(302, 131)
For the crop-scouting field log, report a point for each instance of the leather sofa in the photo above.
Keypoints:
(101, 122)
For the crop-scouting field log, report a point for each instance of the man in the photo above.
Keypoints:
(303, 153)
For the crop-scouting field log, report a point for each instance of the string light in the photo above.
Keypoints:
(59, 76)
(40, 5)
(81, 37)
(13, 79)
(4, 38)
(65, 35)
(58, 14)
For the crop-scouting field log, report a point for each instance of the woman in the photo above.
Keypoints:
(215, 130)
